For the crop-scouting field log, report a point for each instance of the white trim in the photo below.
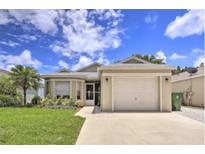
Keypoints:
(136, 67)
(112, 79)
(189, 77)
(67, 80)
(135, 74)
(135, 58)
(86, 101)
(160, 84)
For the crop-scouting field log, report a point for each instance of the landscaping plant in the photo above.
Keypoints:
(25, 77)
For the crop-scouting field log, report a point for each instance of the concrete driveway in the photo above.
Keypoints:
(139, 128)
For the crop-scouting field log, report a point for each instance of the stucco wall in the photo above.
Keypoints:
(136, 71)
(197, 89)
(166, 94)
(106, 93)
(51, 87)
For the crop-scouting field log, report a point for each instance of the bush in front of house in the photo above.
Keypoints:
(8, 93)
(35, 100)
(7, 100)
(59, 102)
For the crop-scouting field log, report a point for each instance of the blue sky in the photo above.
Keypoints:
(50, 40)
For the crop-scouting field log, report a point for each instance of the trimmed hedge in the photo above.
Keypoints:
(59, 101)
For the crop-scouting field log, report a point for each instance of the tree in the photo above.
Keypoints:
(202, 64)
(7, 86)
(25, 77)
(152, 59)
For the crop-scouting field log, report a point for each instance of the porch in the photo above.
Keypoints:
(86, 92)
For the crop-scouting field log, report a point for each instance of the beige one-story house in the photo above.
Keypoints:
(132, 84)
(191, 85)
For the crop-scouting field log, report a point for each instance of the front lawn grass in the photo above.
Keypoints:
(39, 126)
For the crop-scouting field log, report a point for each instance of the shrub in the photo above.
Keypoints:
(77, 104)
(29, 105)
(7, 100)
(46, 101)
(7, 86)
(65, 102)
(71, 102)
(35, 100)
(59, 101)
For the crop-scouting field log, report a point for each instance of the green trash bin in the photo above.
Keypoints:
(177, 101)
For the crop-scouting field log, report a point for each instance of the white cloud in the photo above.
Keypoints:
(86, 60)
(10, 43)
(176, 56)
(199, 60)
(24, 37)
(4, 17)
(44, 20)
(198, 50)
(83, 61)
(161, 55)
(102, 59)
(151, 19)
(3, 52)
(63, 64)
(191, 23)
(84, 35)
(24, 58)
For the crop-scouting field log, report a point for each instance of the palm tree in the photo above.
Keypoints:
(25, 77)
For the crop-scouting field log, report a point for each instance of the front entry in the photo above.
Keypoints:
(90, 95)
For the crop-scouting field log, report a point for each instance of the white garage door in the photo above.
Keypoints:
(136, 94)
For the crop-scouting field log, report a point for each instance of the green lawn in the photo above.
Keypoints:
(39, 126)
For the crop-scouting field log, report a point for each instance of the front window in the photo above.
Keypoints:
(62, 89)
(78, 90)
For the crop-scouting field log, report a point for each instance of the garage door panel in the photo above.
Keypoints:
(136, 94)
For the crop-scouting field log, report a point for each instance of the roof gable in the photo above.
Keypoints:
(90, 68)
(134, 60)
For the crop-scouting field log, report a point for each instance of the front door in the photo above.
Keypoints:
(90, 95)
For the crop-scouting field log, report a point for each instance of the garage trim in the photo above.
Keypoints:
(112, 94)
(160, 93)
(135, 74)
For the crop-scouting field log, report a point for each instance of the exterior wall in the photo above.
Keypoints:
(136, 71)
(106, 93)
(166, 94)
(197, 89)
(51, 87)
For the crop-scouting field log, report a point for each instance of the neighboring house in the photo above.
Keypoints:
(129, 85)
(3, 72)
(30, 92)
(191, 85)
